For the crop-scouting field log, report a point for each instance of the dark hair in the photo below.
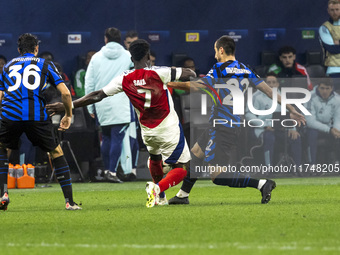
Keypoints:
(227, 43)
(152, 53)
(182, 62)
(46, 55)
(139, 49)
(286, 50)
(327, 81)
(113, 35)
(27, 43)
(3, 57)
(131, 34)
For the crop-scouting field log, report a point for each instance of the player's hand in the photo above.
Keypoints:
(293, 134)
(65, 123)
(92, 115)
(55, 108)
(298, 117)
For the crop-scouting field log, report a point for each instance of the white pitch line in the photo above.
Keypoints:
(279, 247)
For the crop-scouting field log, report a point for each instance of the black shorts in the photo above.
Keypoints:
(221, 145)
(40, 133)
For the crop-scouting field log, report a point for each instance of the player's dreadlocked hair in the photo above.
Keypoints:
(27, 43)
(139, 49)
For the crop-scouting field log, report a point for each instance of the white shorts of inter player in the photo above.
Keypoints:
(171, 144)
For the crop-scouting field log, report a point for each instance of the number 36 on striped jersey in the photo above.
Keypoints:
(30, 70)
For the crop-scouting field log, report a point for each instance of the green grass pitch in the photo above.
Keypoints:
(302, 218)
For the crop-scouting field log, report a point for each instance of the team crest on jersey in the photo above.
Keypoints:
(139, 82)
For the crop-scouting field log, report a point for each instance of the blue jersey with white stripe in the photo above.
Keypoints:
(231, 73)
(23, 80)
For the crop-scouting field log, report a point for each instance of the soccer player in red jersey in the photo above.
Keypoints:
(161, 131)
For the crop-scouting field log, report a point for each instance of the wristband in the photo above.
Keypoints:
(72, 106)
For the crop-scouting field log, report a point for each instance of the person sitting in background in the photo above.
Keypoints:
(79, 79)
(65, 77)
(51, 94)
(187, 62)
(152, 58)
(324, 121)
(272, 135)
(287, 67)
(47, 55)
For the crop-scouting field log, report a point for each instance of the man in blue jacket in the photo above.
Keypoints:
(105, 65)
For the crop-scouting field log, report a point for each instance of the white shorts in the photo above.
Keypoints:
(171, 144)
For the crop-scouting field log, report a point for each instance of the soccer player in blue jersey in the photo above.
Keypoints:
(219, 143)
(23, 111)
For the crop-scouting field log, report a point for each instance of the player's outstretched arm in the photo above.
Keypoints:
(187, 85)
(187, 73)
(184, 83)
(91, 98)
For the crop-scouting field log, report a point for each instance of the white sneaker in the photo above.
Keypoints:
(163, 201)
(153, 194)
(72, 207)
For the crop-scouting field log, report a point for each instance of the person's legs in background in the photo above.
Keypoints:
(312, 143)
(113, 136)
(268, 146)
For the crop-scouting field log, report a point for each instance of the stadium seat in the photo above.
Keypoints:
(316, 71)
(313, 58)
(177, 58)
(314, 65)
(267, 58)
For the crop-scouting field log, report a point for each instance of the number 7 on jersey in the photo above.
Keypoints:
(147, 92)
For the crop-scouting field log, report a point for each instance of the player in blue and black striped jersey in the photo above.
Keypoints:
(23, 111)
(218, 145)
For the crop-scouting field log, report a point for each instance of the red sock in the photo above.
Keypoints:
(156, 170)
(174, 177)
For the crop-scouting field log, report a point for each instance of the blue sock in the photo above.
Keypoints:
(62, 171)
